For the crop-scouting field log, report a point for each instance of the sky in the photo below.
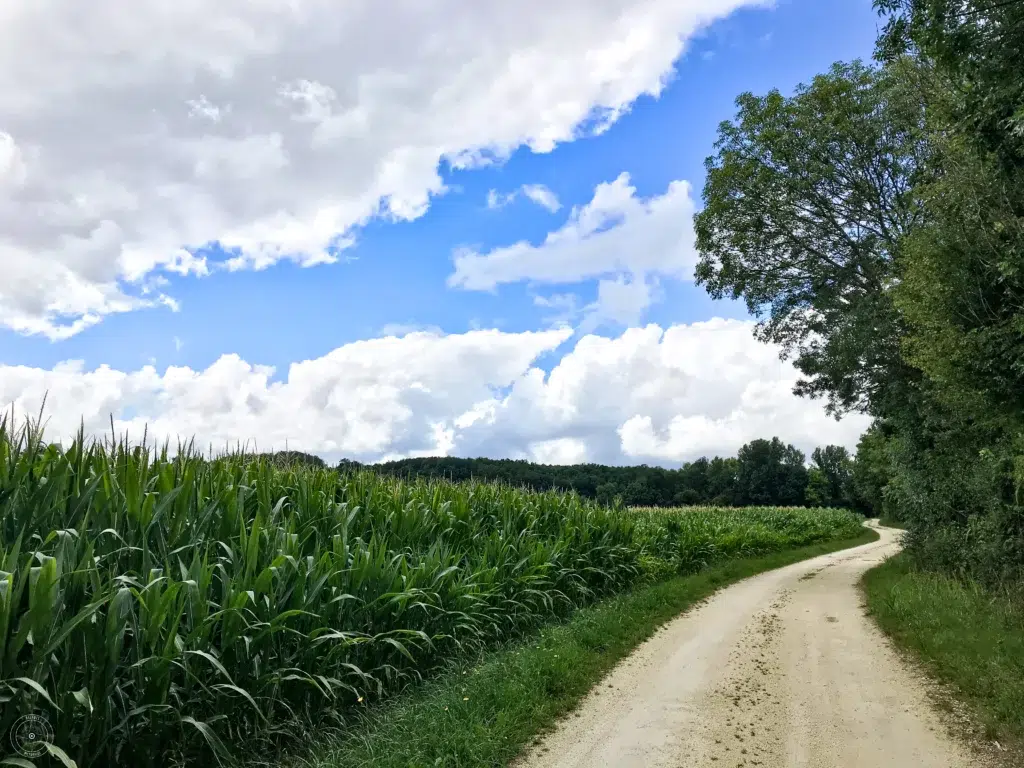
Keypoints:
(394, 228)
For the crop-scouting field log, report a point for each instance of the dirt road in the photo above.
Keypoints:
(781, 670)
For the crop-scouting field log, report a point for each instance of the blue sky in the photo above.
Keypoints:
(395, 279)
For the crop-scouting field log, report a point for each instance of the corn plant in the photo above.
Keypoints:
(159, 607)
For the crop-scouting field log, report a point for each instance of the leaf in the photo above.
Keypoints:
(242, 692)
(211, 738)
(401, 648)
(82, 697)
(60, 754)
(20, 762)
(213, 660)
(69, 626)
(39, 688)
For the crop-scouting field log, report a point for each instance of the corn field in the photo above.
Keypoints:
(163, 609)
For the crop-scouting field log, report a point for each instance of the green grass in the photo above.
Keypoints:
(964, 635)
(162, 608)
(484, 711)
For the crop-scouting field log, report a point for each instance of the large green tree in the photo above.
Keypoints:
(959, 467)
(770, 472)
(833, 465)
(871, 471)
(874, 221)
(978, 46)
(807, 201)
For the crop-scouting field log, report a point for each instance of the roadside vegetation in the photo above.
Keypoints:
(873, 219)
(161, 609)
(483, 711)
(965, 635)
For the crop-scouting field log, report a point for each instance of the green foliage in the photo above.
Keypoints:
(817, 488)
(765, 472)
(694, 538)
(870, 474)
(165, 609)
(956, 452)
(805, 204)
(770, 470)
(484, 711)
(966, 635)
(834, 468)
(294, 459)
(875, 221)
(978, 45)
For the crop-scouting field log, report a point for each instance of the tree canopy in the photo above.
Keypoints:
(874, 221)
(807, 200)
(765, 472)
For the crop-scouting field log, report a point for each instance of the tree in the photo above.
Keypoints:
(835, 467)
(639, 494)
(770, 472)
(817, 494)
(606, 493)
(977, 45)
(687, 498)
(296, 458)
(722, 477)
(871, 470)
(807, 200)
(874, 222)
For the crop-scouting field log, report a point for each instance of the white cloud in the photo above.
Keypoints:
(565, 450)
(653, 395)
(542, 196)
(622, 301)
(12, 165)
(496, 200)
(537, 193)
(129, 160)
(316, 100)
(202, 108)
(626, 241)
(565, 308)
(368, 398)
(616, 232)
(404, 329)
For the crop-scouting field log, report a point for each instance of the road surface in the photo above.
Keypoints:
(780, 670)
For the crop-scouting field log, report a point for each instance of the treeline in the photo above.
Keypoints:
(764, 472)
(874, 221)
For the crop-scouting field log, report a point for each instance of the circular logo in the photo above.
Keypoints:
(30, 735)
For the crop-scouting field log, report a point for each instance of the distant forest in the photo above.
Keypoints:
(764, 472)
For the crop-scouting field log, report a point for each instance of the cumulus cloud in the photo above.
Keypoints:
(132, 139)
(365, 399)
(622, 300)
(651, 394)
(616, 232)
(629, 243)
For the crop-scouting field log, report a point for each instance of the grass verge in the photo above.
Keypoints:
(964, 635)
(483, 711)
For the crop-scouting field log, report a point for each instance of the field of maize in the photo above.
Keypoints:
(161, 609)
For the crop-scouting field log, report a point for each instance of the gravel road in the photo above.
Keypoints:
(780, 670)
